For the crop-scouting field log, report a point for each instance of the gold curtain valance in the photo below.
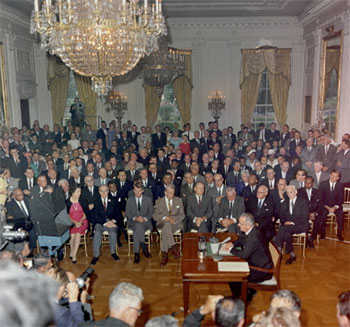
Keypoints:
(332, 60)
(56, 69)
(277, 62)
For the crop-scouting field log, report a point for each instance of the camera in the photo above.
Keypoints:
(84, 276)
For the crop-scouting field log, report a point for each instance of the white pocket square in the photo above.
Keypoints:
(177, 207)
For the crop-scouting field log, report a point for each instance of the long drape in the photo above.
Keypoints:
(278, 65)
(332, 62)
(88, 97)
(183, 91)
(152, 104)
(58, 78)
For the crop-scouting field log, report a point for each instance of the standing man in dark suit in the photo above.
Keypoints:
(123, 186)
(343, 163)
(273, 134)
(89, 196)
(294, 217)
(332, 197)
(230, 209)
(326, 152)
(254, 249)
(16, 163)
(199, 209)
(262, 208)
(139, 212)
(262, 133)
(285, 135)
(102, 133)
(104, 220)
(158, 139)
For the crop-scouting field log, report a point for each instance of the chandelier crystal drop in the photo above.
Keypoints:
(99, 38)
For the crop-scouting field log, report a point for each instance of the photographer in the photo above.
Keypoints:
(71, 315)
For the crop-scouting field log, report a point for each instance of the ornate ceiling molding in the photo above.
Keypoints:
(15, 16)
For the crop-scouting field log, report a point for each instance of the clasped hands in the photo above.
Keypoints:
(330, 209)
(170, 220)
(110, 224)
(228, 246)
(289, 223)
(140, 219)
(199, 220)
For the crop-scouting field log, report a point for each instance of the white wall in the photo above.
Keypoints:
(26, 68)
(216, 60)
(315, 20)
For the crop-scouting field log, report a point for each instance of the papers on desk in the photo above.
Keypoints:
(225, 266)
(214, 249)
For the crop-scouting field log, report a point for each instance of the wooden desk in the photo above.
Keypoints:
(207, 272)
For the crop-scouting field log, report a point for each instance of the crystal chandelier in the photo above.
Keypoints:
(99, 38)
(216, 104)
(163, 66)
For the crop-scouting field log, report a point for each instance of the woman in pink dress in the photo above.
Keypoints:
(77, 215)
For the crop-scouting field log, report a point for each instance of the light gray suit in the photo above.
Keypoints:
(131, 212)
(177, 212)
(308, 156)
(324, 177)
(296, 184)
(98, 181)
(344, 167)
(237, 209)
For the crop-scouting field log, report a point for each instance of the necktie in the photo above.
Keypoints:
(200, 201)
(332, 187)
(226, 169)
(260, 204)
(105, 203)
(291, 207)
(169, 206)
(92, 191)
(220, 193)
(271, 186)
(22, 208)
(309, 150)
(230, 208)
(138, 205)
(121, 184)
(326, 149)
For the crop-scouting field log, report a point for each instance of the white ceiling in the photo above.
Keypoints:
(208, 8)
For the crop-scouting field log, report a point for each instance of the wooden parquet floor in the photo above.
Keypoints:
(317, 279)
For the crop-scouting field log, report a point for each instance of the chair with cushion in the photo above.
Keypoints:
(346, 204)
(130, 232)
(300, 240)
(272, 284)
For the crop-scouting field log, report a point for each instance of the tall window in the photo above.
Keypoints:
(168, 113)
(71, 94)
(263, 112)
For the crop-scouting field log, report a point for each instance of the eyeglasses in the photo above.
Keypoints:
(139, 312)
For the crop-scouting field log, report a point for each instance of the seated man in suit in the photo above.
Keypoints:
(19, 208)
(199, 209)
(332, 197)
(187, 188)
(104, 220)
(253, 249)
(311, 195)
(139, 212)
(230, 209)
(299, 181)
(262, 209)
(294, 217)
(169, 214)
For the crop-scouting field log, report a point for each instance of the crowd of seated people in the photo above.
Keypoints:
(193, 180)
(265, 184)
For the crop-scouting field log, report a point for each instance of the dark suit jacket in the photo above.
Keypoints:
(255, 250)
(163, 166)
(263, 216)
(331, 198)
(329, 159)
(273, 136)
(101, 135)
(289, 175)
(102, 215)
(23, 184)
(17, 171)
(86, 198)
(314, 203)
(277, 201)
(292, 146)
(237, 210)
(284, 138)
(193, 209)
(14, 210)
(158, 142)
(300, 215)
(108, 322)
(247, 192)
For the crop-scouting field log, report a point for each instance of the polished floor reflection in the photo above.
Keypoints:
(317, 279)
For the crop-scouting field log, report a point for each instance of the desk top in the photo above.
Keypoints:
(207, 270)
